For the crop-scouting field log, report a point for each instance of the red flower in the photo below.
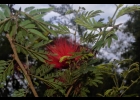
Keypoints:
(61, 47)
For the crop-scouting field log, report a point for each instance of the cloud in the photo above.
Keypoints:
(51, 14)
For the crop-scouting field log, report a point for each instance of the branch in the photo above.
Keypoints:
(130, 86)
(21, 66)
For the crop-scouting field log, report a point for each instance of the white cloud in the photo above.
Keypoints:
(51, 14)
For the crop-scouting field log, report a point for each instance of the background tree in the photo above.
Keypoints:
(132, 30)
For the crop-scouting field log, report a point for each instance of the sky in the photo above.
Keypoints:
(108, 10)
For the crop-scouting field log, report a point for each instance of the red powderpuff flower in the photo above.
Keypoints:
(61, 47)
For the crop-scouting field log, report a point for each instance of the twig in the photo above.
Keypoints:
(21, 66)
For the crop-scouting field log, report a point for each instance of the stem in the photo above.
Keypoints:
(21, 66)
(115, 13)
(123, 83)
(67, 94)
(76, 25)
(116, 80)
(130, 86)
(69, 90)
(111, 18)
(107, 26)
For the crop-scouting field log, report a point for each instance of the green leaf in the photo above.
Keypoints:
(5, 9)
(97, 77)
(13, 30)
(38, 11)
(20, 37)
(42, 43)
(3, 63)
(63, 29)
(29, 9)
(7, 25)
(1, 68)
(36, 83)
(94, 83)
(19, 93)
(123, 87)
(125, 73)
(10, 68)
(100, 95)
(42, 28)
(98, 44)
(92, 13)
(40, 58)
(98, 81)
(23, 23)
(18, 49)
(68, 12)
(49, 92)
(109, 42)
(30, 26)
(52, 31)
(5, 71)
(32, 55)
(120, 5)
(108, 35)
(1, 85)
(38, 16)
(108, 92)
(2, 16)
(114, 36)
(38, 34)
(89, 23)
(24, 51)
(1, 28)
(126, 10)
(4, 77)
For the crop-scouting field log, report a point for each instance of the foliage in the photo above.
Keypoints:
(120, 89)
(132, 28)
(28, 34)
